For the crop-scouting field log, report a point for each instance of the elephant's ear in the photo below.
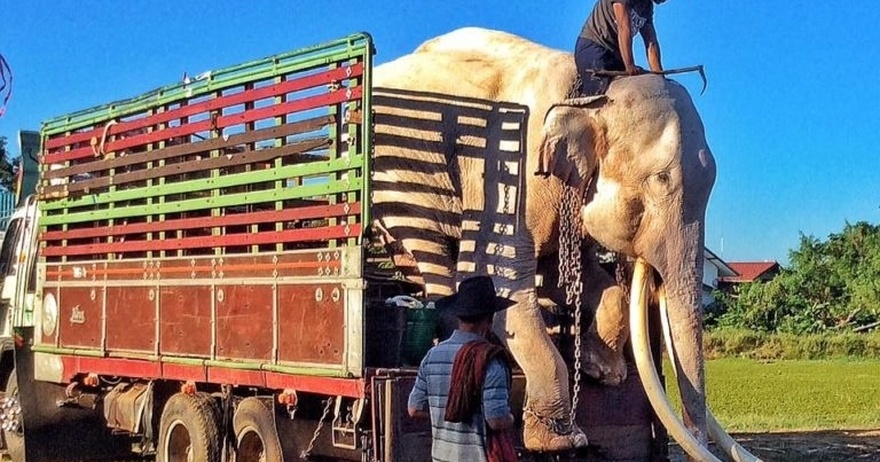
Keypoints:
(572, 141)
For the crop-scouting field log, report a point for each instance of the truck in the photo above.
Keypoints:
(195, 280)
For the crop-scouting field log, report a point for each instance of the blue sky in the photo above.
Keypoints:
(792, 112)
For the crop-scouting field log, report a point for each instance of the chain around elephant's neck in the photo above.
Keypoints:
(570, 274)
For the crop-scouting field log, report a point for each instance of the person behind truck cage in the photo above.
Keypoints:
(463, 384)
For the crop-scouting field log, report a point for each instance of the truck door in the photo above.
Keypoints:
(18, 270)
(9, 273)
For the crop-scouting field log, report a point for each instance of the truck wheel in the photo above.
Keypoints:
(13, 432)
(255, 434)
(188, 431)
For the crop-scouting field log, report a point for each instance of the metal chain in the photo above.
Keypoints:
(620, 274)
(570, 276)
(305, 454)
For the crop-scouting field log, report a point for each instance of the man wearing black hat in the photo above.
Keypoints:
(463, 383)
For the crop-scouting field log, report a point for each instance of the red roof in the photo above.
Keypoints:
(751, 270)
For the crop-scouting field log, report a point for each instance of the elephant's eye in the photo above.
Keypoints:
(663, 177)
(659, 184)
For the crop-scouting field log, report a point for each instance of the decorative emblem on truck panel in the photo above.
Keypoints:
(77, 315)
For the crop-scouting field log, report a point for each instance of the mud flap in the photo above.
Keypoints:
(59, 434)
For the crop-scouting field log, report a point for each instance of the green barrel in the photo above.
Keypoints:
(421, 323)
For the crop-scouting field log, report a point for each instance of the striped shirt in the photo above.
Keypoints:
(454, 442)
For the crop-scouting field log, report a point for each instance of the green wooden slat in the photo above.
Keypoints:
(269, 67)
(92, 353)
(189, 205)
(303, 370)
(366, 140)
(207, 184)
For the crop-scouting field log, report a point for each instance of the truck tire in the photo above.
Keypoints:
(256, 439)
(14, 438)
(188, 431)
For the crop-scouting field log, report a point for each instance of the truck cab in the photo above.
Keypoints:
(18, 276)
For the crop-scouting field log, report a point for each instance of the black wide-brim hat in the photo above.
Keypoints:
(475, 297)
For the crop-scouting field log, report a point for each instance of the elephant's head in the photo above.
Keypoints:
(642, 155)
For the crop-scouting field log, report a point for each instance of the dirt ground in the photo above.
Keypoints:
(824, 446)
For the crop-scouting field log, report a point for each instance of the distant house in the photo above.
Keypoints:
(748, 271)
(714, 271)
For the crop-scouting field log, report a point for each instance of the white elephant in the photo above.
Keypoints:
(451, 120)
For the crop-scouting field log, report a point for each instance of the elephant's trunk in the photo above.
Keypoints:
(686, 323)
(682, 275)
(736, 452)
(679, 261)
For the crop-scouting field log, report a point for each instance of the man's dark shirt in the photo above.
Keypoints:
(601, 27)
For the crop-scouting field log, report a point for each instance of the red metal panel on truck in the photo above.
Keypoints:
(244, 321)
(80, 317)
(311, 323)
(131, 317)
(185, 320)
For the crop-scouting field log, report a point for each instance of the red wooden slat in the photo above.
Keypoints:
(241, 377)
(274, 237)
(281, 88)
(353, 388)
(269, 216)
(74, 365)
(182, 372)
(304, 104)
(327, 386)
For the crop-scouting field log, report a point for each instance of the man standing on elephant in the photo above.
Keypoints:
(606, 39)
(463, 383)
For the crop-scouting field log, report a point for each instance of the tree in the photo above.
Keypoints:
(7, 168)
(833, 284)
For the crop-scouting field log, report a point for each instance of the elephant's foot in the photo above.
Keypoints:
(603, 363)
(544, 434)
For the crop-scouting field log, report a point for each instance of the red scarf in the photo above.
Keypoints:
(466, 395)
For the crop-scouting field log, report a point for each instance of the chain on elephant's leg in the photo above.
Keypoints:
(546, 414)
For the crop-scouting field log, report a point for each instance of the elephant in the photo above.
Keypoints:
(630, 170)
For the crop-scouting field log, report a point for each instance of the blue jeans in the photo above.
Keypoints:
(589, 55)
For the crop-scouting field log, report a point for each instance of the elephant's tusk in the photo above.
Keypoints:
(638, 315)
(721, 437)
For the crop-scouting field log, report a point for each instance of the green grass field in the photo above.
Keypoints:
(752, 396)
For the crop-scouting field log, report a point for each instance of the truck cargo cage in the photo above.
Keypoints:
(262, 157)
(211, 230)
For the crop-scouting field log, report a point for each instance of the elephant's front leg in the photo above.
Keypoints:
(546, 416)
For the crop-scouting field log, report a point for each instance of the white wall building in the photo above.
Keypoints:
(714, 268)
